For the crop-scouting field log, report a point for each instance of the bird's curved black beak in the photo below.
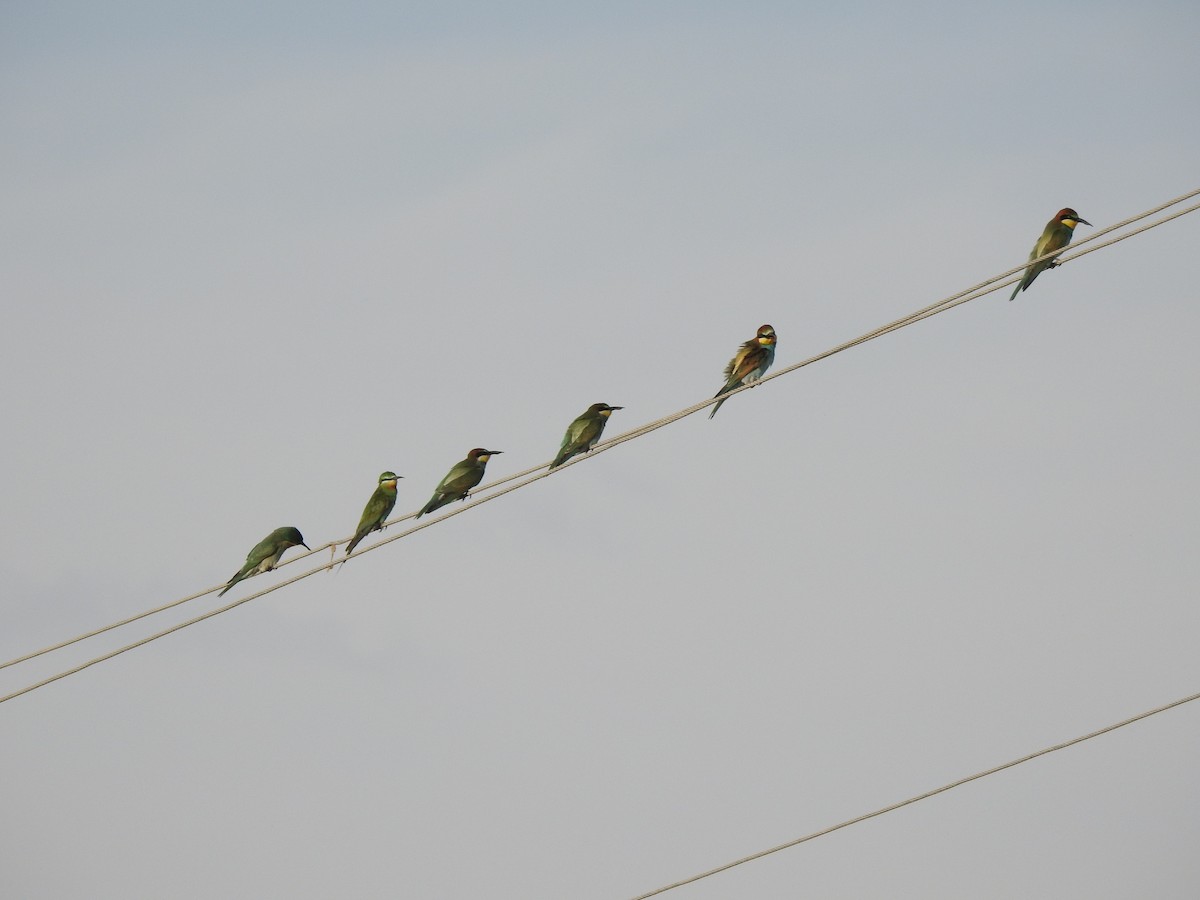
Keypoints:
(306, 547)
(616, 407)
(1084, 222)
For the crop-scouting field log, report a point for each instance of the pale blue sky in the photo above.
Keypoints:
(253, 257)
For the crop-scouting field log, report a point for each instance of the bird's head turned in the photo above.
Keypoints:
(482, 455)
(603, 409)
(391, 477)
(766, 335)
(1070, 218)
(293, 537)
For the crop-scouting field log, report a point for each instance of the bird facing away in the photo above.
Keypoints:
(584, 432)
(265, 555)
(749, 364)
(378, 508)
(460, 479)
(1056, 235)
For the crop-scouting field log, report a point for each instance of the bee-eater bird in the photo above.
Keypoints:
(265, 555)
(378, 508)
(460, 479)
(584, 432)
(749, 364)
(1056, 235)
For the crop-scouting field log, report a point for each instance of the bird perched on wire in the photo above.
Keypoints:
(1055, 236)
(584, 432)
(266, 553)
(749, 364)
(378, 508)
(460, 479)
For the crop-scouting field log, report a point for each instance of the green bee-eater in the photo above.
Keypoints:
(266, 553)
(1056, 235)
(378, 508)
(460, 479)
(584, 432)
(749, 364)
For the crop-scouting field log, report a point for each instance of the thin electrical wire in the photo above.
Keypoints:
(983, 289)
(919, 797)
(91, 634)
(974, 292)
(275, 587)
(328, 545)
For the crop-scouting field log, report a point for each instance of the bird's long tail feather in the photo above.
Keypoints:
(721, 393)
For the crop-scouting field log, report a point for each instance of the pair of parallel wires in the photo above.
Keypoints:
(528, 476)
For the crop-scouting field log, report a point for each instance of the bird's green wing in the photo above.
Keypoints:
(1055, 237)
(464, 476)
(590, 431)
(571, 437)
(581, 431)
(263, 550)
(377, 509)
(572, 441)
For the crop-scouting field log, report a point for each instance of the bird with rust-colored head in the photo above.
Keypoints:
(1055, 236)
(749, 364)
(460, 480)
(584, 432)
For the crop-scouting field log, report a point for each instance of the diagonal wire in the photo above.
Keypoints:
(988, 286)
(973, 293)
(236, 603)
(919, 797)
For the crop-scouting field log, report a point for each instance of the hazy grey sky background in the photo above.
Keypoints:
(254, 256)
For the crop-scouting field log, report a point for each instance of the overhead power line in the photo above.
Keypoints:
(489, 491)
(919, 797)
(236, 603)
(942, 305)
